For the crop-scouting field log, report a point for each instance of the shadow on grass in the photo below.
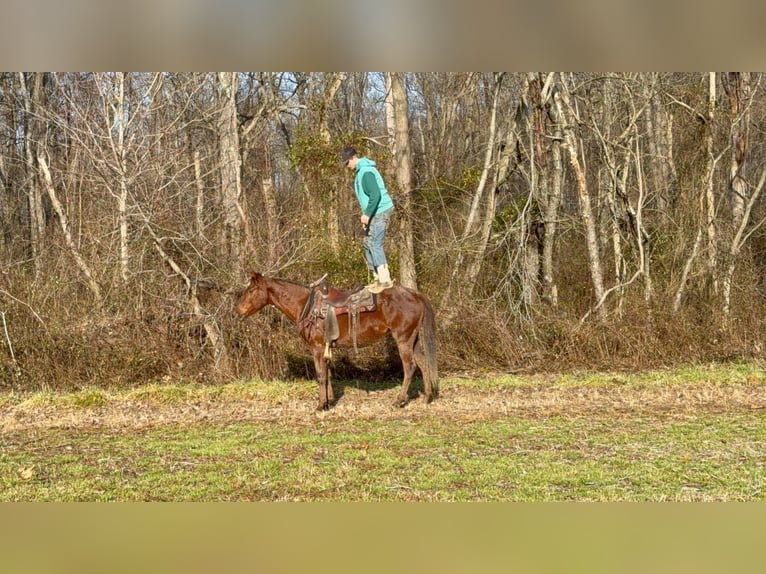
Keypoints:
(374, 368)
(340, 385)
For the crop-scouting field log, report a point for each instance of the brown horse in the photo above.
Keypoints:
(405, 313)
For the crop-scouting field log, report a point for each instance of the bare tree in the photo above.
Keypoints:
(467, 243)
(739, 90)
(212, 330)
(659, 138)
(65, 229)
(120, 116)
(403, 162)
(705, 201)
(616, 152)
(32, 96)
(621, 152)
(144, 194)
(229, 157)
(709, 203)
(546, 178)
(572, 146)
(738, 241)
(446, 101)
(334, 82)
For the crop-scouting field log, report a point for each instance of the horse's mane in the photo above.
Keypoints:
(298, 283)
(290, 281)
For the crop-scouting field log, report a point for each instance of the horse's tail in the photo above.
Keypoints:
(427, 343)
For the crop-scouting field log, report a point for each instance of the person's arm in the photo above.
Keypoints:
(371, 190)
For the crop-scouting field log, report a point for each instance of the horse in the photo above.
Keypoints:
(405, 313)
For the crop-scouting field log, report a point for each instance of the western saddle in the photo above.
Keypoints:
(326, 303)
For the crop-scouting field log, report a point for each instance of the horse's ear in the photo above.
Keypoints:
(255, 276)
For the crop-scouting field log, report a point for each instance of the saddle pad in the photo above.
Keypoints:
(362, 301)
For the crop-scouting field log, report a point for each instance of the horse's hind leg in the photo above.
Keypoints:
(420, 360)
(408, 364)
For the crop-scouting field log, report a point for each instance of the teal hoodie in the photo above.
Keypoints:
(370, 189)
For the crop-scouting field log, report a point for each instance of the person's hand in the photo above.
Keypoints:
(365, 220)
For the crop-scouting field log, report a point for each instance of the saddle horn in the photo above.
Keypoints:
(318, 281)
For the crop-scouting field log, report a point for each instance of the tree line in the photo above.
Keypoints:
(556, 220)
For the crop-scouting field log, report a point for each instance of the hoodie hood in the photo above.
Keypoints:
(364, 163)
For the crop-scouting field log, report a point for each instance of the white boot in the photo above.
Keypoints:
(383, 281)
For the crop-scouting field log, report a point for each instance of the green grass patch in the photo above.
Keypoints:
(730, 373)
(726, 373)
(589, 455)
(702, 459)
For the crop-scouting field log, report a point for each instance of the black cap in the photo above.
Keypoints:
(346, 154)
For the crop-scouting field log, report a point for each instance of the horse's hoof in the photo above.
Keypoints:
(399, 403)
(323, 407)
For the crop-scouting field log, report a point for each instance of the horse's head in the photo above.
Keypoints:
(254, 298)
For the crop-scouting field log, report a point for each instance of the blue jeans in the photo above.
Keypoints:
(373, 239)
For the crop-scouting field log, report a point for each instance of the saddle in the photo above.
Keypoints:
(326, 303)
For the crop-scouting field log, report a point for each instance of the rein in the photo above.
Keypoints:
(307, 307)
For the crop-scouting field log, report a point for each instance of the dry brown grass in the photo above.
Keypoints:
(462, 398)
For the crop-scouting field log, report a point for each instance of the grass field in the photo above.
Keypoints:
(693, 434)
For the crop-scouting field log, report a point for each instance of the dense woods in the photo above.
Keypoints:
(555, 220)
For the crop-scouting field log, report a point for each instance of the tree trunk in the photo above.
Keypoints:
(120, 153)
(5, 206)
(712, 241)
(403, 162)
(571, 145)
(33, 132)
(706, 222)
(737, 243)
(642, 237)
(655, 138)
(199, 204)
(64, 222)
(333, 217)
(737, 86)
(551, 215)
(662, 123)
(390, 110)
(231, 187)
(272, 223)
(687, 269)
(616, 199)
(538, 89)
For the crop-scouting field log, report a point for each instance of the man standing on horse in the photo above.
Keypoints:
(377, 208)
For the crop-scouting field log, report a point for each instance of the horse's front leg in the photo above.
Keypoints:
(326, 396)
